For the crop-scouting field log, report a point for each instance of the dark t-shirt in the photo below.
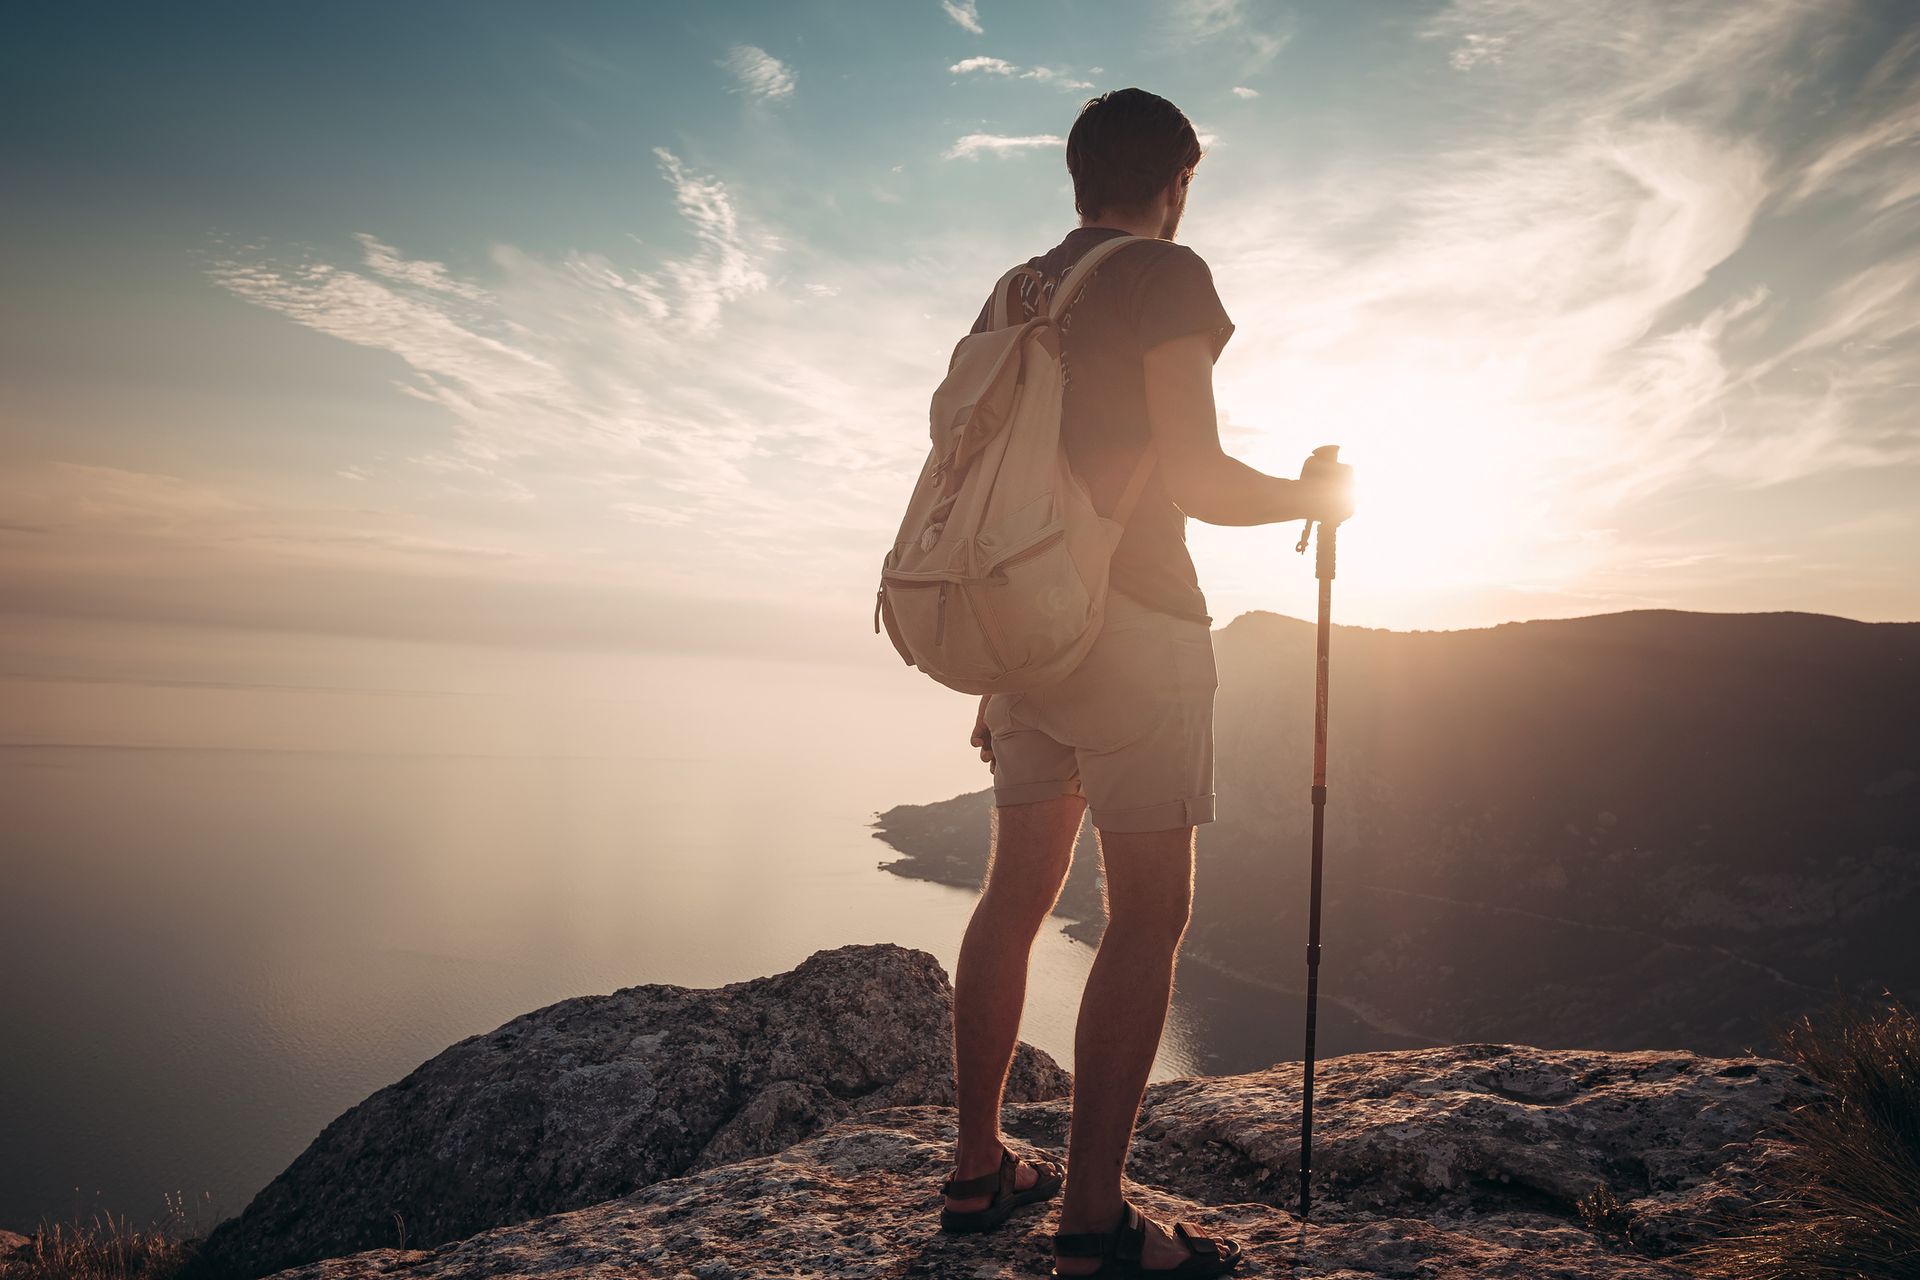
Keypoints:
(1143, 295)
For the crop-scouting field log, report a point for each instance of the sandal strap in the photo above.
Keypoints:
(985, 1184)
(1124, 1243)
(1197, 1244)
(1130, 1244)
(1084, 1244)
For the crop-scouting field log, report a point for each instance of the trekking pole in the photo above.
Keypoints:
(1323, 570)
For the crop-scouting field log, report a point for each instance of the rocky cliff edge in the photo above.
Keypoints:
(797, 1127)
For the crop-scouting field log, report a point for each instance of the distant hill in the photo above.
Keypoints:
(1649, 829)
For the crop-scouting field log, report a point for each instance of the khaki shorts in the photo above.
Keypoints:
(1131, 728)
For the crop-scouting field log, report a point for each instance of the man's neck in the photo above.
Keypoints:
(1148, 227)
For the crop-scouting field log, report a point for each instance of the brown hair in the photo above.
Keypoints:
(1125, 147)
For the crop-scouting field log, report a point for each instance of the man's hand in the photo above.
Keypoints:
(1325, 491)
(982, 736)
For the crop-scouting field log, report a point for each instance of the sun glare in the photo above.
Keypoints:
(1453, 480)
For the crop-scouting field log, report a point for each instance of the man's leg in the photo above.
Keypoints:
(1032, 847)
(1149, 879)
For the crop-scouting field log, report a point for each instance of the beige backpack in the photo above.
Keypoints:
(997, 581)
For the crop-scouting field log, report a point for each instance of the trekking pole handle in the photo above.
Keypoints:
(1325, 455)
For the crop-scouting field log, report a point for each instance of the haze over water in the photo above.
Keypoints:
(252, 878)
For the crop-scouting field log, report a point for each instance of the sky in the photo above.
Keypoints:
(614, 325)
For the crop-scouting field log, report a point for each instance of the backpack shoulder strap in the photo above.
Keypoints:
(1003, 294)
(1136, 484)
(1076, 279)
(1063, 296)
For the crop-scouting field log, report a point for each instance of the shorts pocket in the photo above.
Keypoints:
(1196, 673)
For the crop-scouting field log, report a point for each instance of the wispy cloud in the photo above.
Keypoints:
(1055, 76)
(1872, 156)
(759, 73)
(726, 268)
(1255, 33)
(974, 144)
(1241, 91)
(1475, 48)
(980, 62)
(1001, 67)
(143, 546)
(712, 389)
(965, 13)
(139, 515)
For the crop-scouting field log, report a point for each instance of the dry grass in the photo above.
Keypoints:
(1844, 1174)
(110, 1248)
(1602, 1213)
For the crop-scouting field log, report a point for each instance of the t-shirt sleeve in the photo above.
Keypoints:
(1173, 297)
(985, 318)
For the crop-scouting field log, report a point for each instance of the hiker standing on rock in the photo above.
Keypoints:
(1128, 729)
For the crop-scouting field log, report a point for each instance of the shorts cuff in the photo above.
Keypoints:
(1012, 793)
(1170, 816)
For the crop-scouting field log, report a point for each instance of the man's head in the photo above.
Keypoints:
(1132, 154)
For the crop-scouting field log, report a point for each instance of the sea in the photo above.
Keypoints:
(248, 878)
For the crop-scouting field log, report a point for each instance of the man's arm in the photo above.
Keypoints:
(1201, 479)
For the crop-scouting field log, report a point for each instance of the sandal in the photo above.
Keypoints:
(1120, 1250)
(1001, 1184)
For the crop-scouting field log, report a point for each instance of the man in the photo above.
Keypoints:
(1130, 732)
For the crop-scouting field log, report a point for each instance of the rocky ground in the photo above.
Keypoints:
(1467, 1161)
(1460, 1162)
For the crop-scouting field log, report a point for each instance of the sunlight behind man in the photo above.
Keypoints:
(1461, 475)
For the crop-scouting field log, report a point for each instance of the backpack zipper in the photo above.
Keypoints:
(983, 613)
(940, 608)
(999, 574)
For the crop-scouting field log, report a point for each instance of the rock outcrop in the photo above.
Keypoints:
(587, 1100)
(14, 1245)
(1444, 1164)
(800, 1126)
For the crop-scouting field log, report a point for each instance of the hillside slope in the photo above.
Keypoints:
(1637, 830)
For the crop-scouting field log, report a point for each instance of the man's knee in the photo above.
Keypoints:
(1043, 831)
(1031, 849)
(1149, 884)
(1163, 923)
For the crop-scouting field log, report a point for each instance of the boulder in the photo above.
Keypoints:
(14, 1245)
(587, 1100)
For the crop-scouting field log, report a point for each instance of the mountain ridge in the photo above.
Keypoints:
(1692, 826)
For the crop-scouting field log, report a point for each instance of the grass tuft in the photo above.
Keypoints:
(1602, 1213)
(109, 1248)
(1842, 1176)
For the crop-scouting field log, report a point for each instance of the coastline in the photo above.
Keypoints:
(954, 873)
